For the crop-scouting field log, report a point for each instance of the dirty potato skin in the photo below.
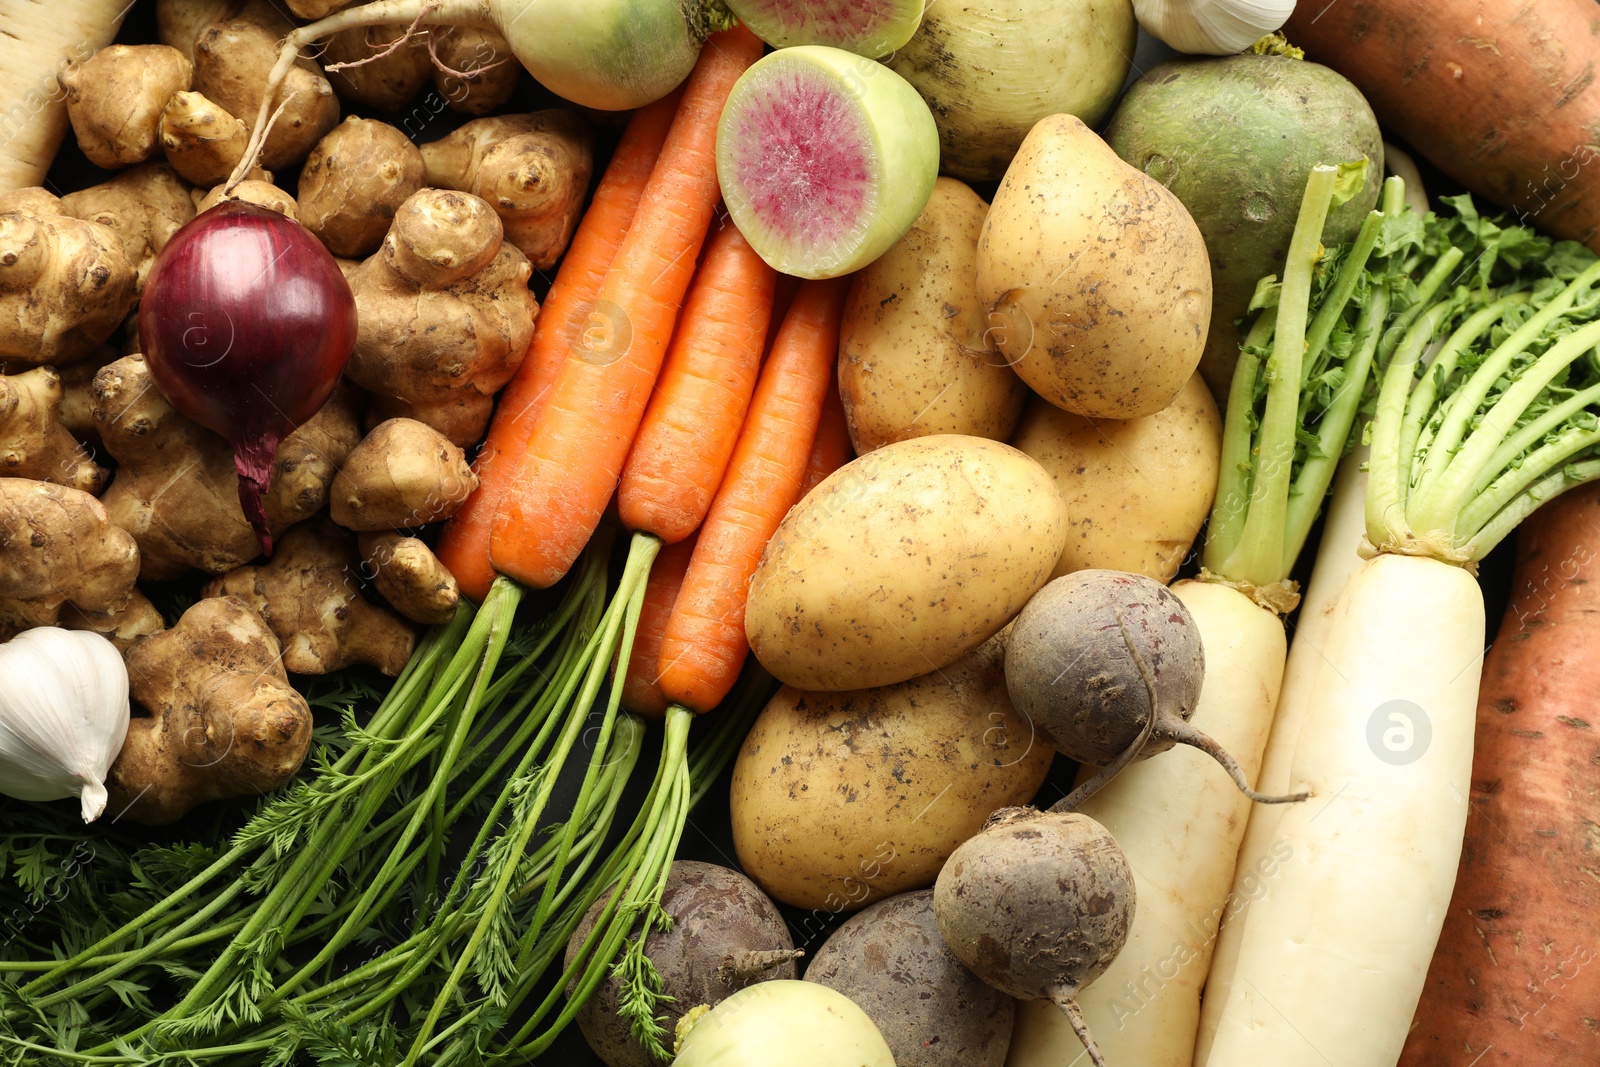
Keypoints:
(841, 799)
(1038, 904)
(902, 561)
(1068, 666)
(1138, 490)
(1096, 277)
(725, 935)
(915, 358)
(891, 960)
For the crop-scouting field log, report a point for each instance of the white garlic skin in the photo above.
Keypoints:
(1211, 27)
(63, 715)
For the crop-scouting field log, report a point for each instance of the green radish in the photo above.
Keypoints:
(1233, 139)
(1502, 419)
(870, 28)
(825, 159)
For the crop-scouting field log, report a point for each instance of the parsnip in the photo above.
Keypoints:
(37, 39)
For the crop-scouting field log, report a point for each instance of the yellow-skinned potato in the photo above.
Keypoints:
(840, 799)
(1097, 279)
(903, 560)
(915, 358)
(1137, 491)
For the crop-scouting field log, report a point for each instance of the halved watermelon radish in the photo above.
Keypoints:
(825, 159)
(869, 28)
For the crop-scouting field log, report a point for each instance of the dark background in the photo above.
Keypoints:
(708, 836)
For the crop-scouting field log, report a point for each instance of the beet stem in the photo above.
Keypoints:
(1186, 734)
(1067, 1001)
(1073, 800)
(743, 966)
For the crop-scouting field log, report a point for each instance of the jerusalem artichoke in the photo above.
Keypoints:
(307, 594)
(33, 443)
(202, 140)
(445, 314)
(404, 474)
(223, 720)
(476, 71)
(143, 206)
(410, 577)
(533, 169)
(116, 96)
(352, 183)
(58, 547)
(373, 76)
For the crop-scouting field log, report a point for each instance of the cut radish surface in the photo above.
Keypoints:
(825, 159)
(866, 27)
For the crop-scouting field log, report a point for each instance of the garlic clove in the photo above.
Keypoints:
(1212, 27)
(64, 713)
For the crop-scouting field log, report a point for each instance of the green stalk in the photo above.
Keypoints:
(1527, 502)
(1439, 505)
(1387, 466)
(1549, 456)
(1259, 554)
(1235, 467)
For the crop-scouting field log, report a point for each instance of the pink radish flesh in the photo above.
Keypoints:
(819, 22)
(801, 158)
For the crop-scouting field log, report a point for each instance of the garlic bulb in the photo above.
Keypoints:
(1211, 27)
(63, 715)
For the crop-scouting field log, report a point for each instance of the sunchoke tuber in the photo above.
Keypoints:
(65, 284)
(223, 720)
(179, 22)
(353, 182)
(374, 76)
(404, 473)
(410, 577)
(307, 593)
(476, 71)
(445, 312)
(533, 169)
(116, 96)
(252, 191)
(33, 442)
(202, 140)
(175, 489)
(232, 58)
(59, 548)
(144, 206)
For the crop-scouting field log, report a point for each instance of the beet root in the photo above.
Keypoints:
(725, 934)
(1038, 905)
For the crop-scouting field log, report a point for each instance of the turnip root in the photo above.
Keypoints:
(782, 1024)
(1038, 904)
(725, 934)
(892, 962)
(115, 99)
(1109, 666)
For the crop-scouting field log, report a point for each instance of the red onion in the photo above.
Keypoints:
(247, 324)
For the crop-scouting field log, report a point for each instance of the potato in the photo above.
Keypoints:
(914, 355)
(901, 561)
(839, 799)
(1097, 278)
(1138, 491)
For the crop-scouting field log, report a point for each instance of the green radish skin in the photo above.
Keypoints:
(1332, 960)
(1344, 525)
(870, 28)
(1233, 139)
(825, 159)
(1179, 820)
(611, 55)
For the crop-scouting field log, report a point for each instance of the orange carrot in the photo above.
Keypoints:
(694, 417)
(561, 483)
(832, 448)
(464, 545)
(704, 646)
(641, 689)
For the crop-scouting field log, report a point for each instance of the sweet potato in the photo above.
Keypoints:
(1516, 975)
(1498, 94)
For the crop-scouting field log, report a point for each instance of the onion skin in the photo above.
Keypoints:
(247, 324)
